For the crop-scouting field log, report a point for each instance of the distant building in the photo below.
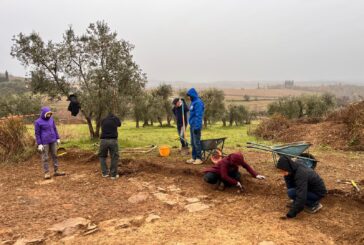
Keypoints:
(288, 84)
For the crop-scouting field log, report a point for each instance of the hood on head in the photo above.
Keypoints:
(43, 112)
(236, 158)
(286, 164)
(192, 93)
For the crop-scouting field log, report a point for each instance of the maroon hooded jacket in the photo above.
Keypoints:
(228, 164)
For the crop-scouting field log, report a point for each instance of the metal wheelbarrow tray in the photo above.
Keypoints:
(211, 146)
(293, 150)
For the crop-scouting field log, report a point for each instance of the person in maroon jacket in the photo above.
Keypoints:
(226, 171)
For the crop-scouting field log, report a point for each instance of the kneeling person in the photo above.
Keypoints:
(304, 186)
(226, 171)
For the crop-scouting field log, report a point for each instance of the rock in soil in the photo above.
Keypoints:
(70, 226)
(36, 241)
(196, 207)
(192, 200)
(152, 217)
(138, 198)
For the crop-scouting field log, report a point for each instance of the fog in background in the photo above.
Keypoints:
(209, 40)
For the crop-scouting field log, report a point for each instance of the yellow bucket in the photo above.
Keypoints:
(164, 151)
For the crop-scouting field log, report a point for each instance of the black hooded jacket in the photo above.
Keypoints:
(304, 179)
(109, 127)
(177, 111)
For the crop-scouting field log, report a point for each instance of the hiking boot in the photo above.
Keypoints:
(105, 175)
(59, 174)
(313, 209)
(197, 162)
(190, 161)
(47, 176)
(115, 177)
(290, 203)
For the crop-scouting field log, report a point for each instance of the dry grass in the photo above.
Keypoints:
(14, 139)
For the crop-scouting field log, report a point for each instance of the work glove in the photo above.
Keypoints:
(239, 185)
(40, 148)
(197, 131)
(58, 141)
(261, 177)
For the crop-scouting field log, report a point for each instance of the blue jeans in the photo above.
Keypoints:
(311, 200)
(182, 136)
(196, 144)
(213, 178)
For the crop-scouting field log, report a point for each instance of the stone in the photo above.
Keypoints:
(137, 221)
(174, 188)
(138, 198)
(160, 189)
(192, 200)
(161, 196)
(70, 226)
(45, 182)
(170, 203)
(36, 241)
(267, 243)
(67, 206)
(196, 207)
(152, 217)
(122, 224)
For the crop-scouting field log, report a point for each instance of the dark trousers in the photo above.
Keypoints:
(196, 144)
(213, 178)
(311, 200)
(106, 146)
(181, 135)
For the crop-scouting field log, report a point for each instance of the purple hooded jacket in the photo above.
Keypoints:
(45, 129)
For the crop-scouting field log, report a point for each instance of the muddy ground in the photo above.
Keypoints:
(29, 205)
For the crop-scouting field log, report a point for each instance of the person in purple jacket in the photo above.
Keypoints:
(47, 138)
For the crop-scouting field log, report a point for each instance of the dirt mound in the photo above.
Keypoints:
(342, 130)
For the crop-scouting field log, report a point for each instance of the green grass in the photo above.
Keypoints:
(77, 135)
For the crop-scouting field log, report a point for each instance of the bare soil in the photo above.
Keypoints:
(29, 205)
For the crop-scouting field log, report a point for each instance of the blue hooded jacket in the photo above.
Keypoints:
(45, 129)
(197, 109)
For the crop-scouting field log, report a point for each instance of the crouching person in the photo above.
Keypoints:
(226, 172)
(304, 186)
(47, 138)
(109, 144)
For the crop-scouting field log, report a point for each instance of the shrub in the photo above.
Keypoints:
(14, 139)
(270, 127)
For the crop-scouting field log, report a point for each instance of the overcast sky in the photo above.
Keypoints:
(210, 40)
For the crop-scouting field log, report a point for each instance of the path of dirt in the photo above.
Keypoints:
(30, 205)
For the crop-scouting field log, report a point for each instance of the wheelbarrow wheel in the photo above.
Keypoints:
(216, 156)
(309, 163)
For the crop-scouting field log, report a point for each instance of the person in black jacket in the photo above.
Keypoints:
(109, 143)
(180, 111)
(304, 186)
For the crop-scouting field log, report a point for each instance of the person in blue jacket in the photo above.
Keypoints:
(197, 109)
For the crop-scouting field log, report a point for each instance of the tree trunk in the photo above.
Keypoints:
(145, 123)
(205, 122)
(169, 120)
(224, 122)
(160, 121)
(90, 127)
(137, 123)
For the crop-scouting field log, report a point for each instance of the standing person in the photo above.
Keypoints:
(197, 109)
(47, 138)
(180, 111)
(109, 143)
(304, 186)
(226, 171)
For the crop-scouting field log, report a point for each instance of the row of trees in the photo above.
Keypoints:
(312, 106)
(156, 106)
